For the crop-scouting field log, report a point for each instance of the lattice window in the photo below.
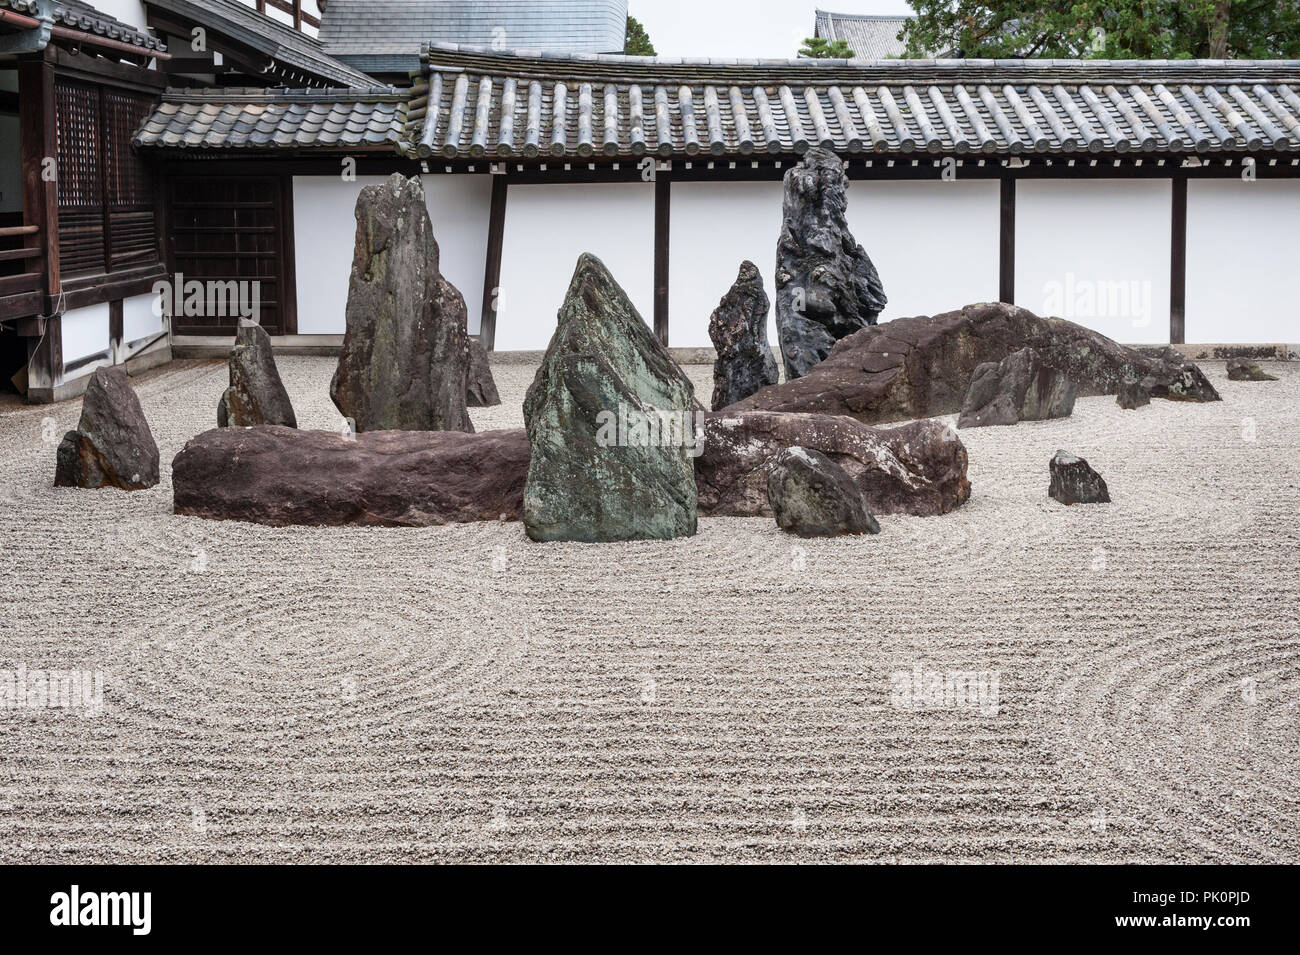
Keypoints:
(106, 206)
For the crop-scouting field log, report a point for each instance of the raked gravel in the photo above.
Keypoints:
(459, 693)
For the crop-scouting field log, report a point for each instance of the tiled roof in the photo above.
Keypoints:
(80, 16)
(474, 102)
(28, 8)
(276, 119)
(289, 48)
(870, 37)
(388, 42)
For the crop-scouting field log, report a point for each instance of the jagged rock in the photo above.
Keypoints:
(1075, 482)
(826, 285)
(597, 472)
(812, 496)
(1022, 387)
(917, 468)
(482, 389)
(112, 446)
(405, 360)
(922, 367)
(256, 394)
(1133, 394)
(281, 477)
(738, 329)
(1243, 369)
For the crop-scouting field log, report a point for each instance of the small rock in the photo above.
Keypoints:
(738, 329)
(812, 496)
(1021, 387)
(1134, 393)
(112, 446)
(482, 389)
(256, 394)
(1243, 369)
(1075, 482)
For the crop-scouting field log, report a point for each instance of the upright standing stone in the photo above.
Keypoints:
(739, 331)
(826, 285)
(112, 446)
(1021, 387)
(256, 394)
(611, 422)
(482, 390)
(405, 360)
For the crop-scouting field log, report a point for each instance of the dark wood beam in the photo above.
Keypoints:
(1178, 264)
(663, 228)
(38, 132)
(1007, 244)
(492, 272)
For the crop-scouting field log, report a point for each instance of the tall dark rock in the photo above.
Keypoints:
(610, 419)
(826, 285)
(112, 446)
(256, 394)
(738, 329)
(405, 360)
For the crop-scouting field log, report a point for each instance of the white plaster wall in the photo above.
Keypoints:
(547, 228)
(140, 318)
(85, 332)
(715, 227)
(1243, 255)
(325, 225)
(935, 243)
(130, 12)
(1096, 252)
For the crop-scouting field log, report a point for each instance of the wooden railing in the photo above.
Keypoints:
(21, 254)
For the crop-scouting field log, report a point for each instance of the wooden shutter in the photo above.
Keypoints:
(133, 237)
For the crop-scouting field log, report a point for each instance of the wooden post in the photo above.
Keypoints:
(1007, 254)
(39, 141)
(1178, 264)
(492, 273)
(663, 223)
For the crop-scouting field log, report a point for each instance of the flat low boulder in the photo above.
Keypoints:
(917, 469)
(282, 477)
(1021, 387)
(812, 496)
(1243, 369)
(922, 367)
(112, 446)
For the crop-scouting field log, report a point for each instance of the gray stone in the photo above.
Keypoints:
(256, 394)
(1133, 394)
(482, 389)
(918, 468)
(826, 285)
(405, 360)
(1243, 369)
(1021, 387)
(1075, 482)
(812, 496)
(597, 473)
(112, 446)
(282, 477)
(738, 329)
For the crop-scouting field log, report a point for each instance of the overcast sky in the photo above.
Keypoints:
(767, 28)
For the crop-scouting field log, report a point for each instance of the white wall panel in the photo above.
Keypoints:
(1096, 252)
(140, 318)
(1243, 253)
(325, 226)
(935, 243)
(547, 228)
(85, 332)
(715, 227)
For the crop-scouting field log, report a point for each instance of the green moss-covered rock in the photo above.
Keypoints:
(611, 423)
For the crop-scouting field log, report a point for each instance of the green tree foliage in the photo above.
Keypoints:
(1106, 29)
(817, 48)
(638, 41)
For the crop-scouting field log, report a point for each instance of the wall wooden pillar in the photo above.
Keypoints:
(663, 223)
(492, 271)
(1178, 263)
(1007, 252)
(38, 131)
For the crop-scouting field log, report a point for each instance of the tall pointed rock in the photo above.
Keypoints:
(405, 359)
(256, 395)
(611, 422)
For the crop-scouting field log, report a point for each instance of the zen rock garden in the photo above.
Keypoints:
(617, 445)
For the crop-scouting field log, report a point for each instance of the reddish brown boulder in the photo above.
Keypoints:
(918, 468)
(281, 477)
(921, 367)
